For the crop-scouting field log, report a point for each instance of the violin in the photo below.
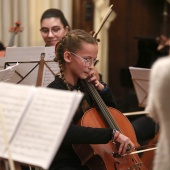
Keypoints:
(14, 30)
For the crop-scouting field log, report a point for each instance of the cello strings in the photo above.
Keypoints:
(102, 106)
(105, 111)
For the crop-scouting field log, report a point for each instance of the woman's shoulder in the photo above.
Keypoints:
(161, 62)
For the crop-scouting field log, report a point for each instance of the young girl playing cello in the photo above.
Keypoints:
(76, 54)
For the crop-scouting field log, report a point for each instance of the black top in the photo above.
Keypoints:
(79, 134)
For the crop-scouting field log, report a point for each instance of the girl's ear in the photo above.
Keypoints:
(67, 56)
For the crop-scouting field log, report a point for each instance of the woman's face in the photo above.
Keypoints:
(81, 62)
(52, 30)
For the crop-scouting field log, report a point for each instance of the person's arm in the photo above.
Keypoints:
(87, 135)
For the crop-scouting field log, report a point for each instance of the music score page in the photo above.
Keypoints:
(6, 74)
(37, 119)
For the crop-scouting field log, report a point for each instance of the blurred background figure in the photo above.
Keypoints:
(158, 108)
(2, 50)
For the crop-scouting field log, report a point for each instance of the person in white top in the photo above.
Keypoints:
(158, 107)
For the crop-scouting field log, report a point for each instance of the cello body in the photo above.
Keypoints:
(100, 156)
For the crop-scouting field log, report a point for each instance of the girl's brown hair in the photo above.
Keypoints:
(72, 41)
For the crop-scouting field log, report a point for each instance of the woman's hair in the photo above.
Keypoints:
(55, 13)
(72, 42)
(2, 46)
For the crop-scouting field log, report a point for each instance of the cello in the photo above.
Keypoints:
(104, 156)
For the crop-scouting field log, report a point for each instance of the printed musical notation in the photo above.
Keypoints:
(29, 61)
(35, 119)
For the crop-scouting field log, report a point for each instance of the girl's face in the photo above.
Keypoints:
(52, 30)
(81, 63)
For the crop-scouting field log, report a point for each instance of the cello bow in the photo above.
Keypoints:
(109, 11)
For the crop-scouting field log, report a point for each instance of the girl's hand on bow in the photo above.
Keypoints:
(124, 141)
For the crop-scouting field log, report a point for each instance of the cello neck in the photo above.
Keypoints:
(101, 105)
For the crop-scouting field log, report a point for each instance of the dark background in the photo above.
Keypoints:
(132, 40)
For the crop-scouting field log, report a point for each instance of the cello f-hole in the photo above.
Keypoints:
(115, 165)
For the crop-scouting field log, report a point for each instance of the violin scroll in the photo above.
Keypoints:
(17, 28)
(14, 31)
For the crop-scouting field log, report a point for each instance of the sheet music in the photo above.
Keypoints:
(21, 54)
(29, 58)
(49, 53)
(26, 68)
(48, 77)
(7, 74)
(43, 125)
(140, 78)
(12, 105)
(140, 73)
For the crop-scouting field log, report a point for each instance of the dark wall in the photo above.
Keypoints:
(136, 20)
(83, 14)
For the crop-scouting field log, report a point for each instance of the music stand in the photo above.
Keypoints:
(140, 78)
(29, 71)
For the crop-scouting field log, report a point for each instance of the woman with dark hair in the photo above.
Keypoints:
(2, 50)
(53, 26)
